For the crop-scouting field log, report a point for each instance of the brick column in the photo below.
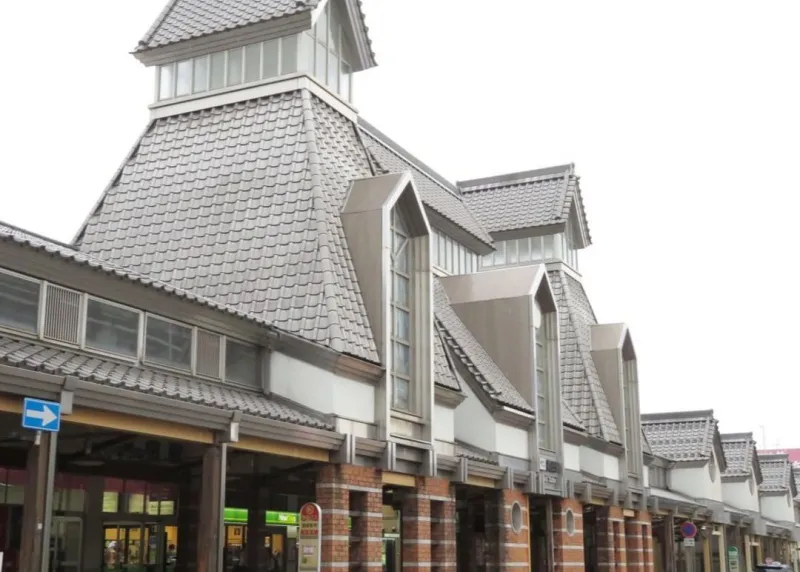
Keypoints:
(443, 534)
(514, 547)
(648, 558)
(633, 545)
(568, 552)
(611, 554)
(418, 547)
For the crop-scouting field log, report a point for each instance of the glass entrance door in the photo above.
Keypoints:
(136, 547)
(66, 538)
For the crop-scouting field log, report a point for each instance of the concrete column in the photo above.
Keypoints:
(668, 544)
(212, 502)
(93, 543)
(748, 555)
(256, 518)
(723, 555)
(35, 510)
(706, 553)
(188, 518)
(568, 546)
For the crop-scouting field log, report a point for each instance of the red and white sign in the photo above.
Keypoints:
(309, 538)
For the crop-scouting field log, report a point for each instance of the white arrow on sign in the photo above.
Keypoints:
(46, 416)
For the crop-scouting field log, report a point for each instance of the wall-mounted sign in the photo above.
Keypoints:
(688, 542)
(733, 559)
(309, 538)
(688, 529)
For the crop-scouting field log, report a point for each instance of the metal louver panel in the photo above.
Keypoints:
(208, 350)
(62, 315)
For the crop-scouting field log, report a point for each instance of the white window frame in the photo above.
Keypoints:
(192, 360)
(393, 306)
(545, 377)
(140, 336)
(630, 397)
(39, 309)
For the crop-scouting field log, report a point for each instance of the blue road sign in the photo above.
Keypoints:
(688, 529)
(41, 415)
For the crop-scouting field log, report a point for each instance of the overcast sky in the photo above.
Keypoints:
(682, 119)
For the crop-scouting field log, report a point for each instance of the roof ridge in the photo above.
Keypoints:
(324, 259)
(157, 23)
(676, 416)
(505, 179)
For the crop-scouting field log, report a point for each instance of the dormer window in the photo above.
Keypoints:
(631, 408)
(401, 312)
(328, 52)
(544, 356)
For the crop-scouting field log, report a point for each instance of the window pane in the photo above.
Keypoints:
(112, 329)
(488, 260)
(168, 344)
(468, 269)
(166, 83)
(235, 58)
(288, 54)
(400, 393)
(252, 63)
(402, 321)
(321, 62)
(434, 248)
(306, 55)
(402, 358)
(200, 74)
(548, 246)
(500, 253)
(184, 86)
(321, 27)
(218, 70)
(524, 249)
(333, 71)
(536, 248)
(334, 30)
(344, 82)
(19, 303)
(269, 66)
(511, 252)
(241, 363)
(401, 288)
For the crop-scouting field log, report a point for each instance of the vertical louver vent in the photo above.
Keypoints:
(208, 350)
(62, 315)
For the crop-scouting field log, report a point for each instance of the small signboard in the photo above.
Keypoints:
(688, 529)
(309, 538)
(40, 415)
(688, 542)
(733, 559)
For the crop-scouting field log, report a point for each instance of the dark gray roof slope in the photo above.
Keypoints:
(436, 192)
(474, 453)
(524, 200)
(443, 373)
(685, 436)
(740, 455)
(580, 383)
(240, 204)
(105, 371)
(777, 471)
(464, 345)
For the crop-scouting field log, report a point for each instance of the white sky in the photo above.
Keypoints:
(682, 119)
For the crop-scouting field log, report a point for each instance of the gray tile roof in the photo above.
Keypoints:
(436, 192)
(464, 345)
(646, 444)
(740, 455)
(524, 200)
(186, 19)
(580, 383)
(569, 418)
(443, 372)
(684, 436)
(777, 472)
(105, 371)
(240, 204)
(473, 453)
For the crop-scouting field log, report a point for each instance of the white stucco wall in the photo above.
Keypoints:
(512, 441)
(738, 495)
(599, 464)
(777, 507)
(444, 423)
(696, 482)
(572, 457)
(473, 423)
(321, 390)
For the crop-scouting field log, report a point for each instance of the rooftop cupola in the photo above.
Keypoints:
(202, 48)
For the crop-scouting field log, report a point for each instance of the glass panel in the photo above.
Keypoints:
(511, 251)
(536, 248)
(549, 246)
(289, 54)
(241, 363)
(524, 249)
(462, 259)
(488, 260)
(334, 30)
(468, 269)
(333, 71)
(402, 326)
(166, 83)
(321, 27)
(442, 248)
(400, 393)
(112, 329)
(252, 63)
(306, 48)
(168, 343)
(401, 290)
(184, 86)
(218, 70)
(435, 248)
(500, 253)
(235, 59)
(344, 82)
(200, 74)
(401, 256)
(320, 62)
(19, 303)
(269, 67)
(110, 501)
(402, 358)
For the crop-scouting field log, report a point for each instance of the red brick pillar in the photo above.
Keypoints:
(633, 545)
(567, 535)
(346, 492)
(514, 545)
(443, 533)
(611, 553)
(417, 515)
(648, 557)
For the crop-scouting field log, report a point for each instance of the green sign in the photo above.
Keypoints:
(239, 516)
(733, 559)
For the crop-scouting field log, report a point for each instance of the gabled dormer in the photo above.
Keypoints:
(742, 477)
(533, 216)
(778, 489)
(202, 49)
(615, 359)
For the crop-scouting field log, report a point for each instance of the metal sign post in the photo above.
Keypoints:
(309, 538)
(688, 532)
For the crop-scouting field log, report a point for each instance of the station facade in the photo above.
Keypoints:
(273, 303)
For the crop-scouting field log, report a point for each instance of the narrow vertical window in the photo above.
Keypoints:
(252, 63)
(166, 82)
(401, 313)
(629, 397)
(184, 82)
(543, 382)
(289, 47)
(235, 62)
(218, 70)
(200, 74)
(270, 61)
